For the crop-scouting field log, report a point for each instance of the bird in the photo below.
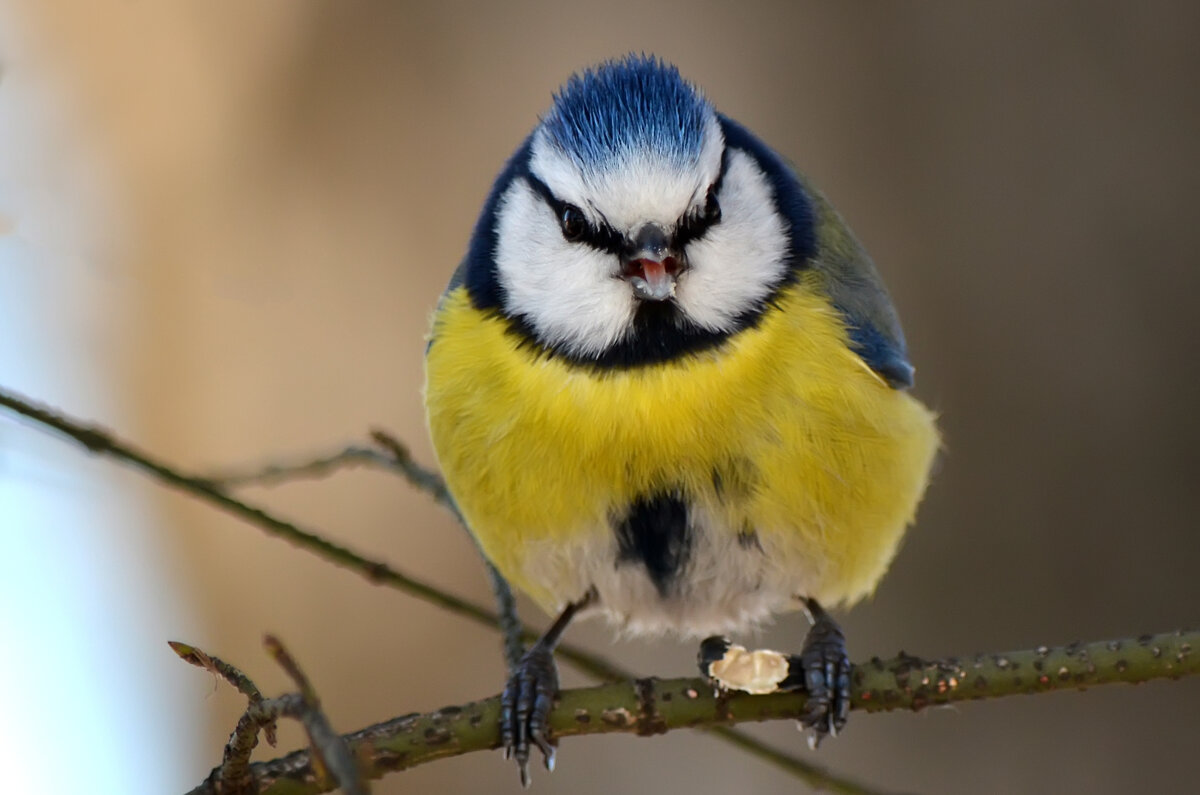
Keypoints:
(667, 386)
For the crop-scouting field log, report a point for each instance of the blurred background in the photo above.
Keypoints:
(223, 226)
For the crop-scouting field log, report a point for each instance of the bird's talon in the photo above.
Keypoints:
(525, 709)
(826, 678)
(525, 778)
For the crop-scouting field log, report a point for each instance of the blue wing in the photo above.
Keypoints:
(821, 241)
(859, 294)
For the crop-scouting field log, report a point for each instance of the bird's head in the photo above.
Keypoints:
(627, 230)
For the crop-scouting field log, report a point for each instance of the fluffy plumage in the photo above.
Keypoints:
(698, 462)
(783, 432)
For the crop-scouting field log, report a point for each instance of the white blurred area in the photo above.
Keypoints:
(85, 601)
(176, 267)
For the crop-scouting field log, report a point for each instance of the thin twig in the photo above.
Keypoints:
(276, 473)
(228, 672)
(396, 459)
(419, 477)
(390, 455)
(99, 442)
(331, 762)
(331, 754)
(434, 485)
(652, 706)
(233, 776)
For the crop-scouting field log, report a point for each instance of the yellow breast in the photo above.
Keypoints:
(783, 430)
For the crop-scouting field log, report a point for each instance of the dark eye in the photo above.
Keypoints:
(574, 225)
(712, 210)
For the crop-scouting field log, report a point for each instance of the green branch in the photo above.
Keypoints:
(653, 706)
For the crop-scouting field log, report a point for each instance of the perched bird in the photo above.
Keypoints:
(667, 385)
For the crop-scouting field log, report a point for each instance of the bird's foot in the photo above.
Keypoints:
(824, 673)
(525, 708)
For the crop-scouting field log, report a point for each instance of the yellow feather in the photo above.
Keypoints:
(783, 429)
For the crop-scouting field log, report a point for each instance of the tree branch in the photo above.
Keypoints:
(330, 754)
(653, 706)
(914, 683)
(395, 458)
(100, 442)
(331, 761)
(234, 777)
(275, 473)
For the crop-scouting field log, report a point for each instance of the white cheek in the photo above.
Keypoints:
(734, 267)
(565, 290)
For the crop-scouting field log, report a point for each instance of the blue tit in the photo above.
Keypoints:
(667, 386)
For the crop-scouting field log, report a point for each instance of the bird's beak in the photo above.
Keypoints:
(650, 265)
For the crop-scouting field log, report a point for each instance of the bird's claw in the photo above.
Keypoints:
(825, 667)
(525, 709)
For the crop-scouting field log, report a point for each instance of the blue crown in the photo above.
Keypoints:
(636, 104)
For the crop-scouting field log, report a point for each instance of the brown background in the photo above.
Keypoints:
(296, 181)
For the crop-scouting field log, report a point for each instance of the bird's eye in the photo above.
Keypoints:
(574, 225)
(712, 210)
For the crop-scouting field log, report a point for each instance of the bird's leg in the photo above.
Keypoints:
(510, 622)
(822, 669)
(824, 674)
(530, 693)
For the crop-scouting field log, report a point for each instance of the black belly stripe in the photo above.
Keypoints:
(654, 532)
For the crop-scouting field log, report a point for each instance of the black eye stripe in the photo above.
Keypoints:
(693, 226)
(604, 238)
